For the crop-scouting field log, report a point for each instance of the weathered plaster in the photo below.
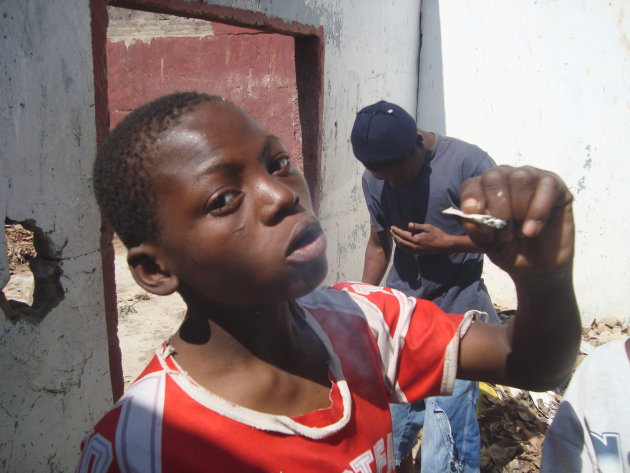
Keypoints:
(56, 378)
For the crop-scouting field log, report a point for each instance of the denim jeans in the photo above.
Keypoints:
(450, 440)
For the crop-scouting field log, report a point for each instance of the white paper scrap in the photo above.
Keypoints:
(480, 218)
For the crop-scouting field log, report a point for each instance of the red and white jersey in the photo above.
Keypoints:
(384, 347)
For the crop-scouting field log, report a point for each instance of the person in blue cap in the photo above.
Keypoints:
(411, 176)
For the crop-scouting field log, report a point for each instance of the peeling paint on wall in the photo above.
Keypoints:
(130, 26)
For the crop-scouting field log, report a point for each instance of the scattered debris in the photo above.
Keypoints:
(513, 427)
(513, 422)
(126, 307)
(605, 330)
(20, 245)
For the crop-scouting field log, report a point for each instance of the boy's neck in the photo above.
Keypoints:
(263, 327)
(274, 334)
(271, 346)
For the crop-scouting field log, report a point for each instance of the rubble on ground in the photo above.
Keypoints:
(20, 247)
(513, 422)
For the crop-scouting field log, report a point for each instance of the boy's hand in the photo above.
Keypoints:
(421, 239)
(535, 351)
(536, 204)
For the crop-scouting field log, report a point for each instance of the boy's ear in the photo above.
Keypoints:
(419, 140)
(149, 271)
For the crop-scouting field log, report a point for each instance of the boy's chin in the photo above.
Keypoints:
(309, 279)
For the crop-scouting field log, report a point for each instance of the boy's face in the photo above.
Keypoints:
(236, 220)
(402, 174)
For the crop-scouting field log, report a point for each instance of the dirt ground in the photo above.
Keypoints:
(144, 320)
(512, 422)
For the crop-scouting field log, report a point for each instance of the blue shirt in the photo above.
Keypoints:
(452, 281)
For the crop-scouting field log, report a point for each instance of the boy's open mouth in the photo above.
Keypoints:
(309, 244)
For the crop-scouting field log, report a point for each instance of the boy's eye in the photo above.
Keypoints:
(280, 165)
(224, 203)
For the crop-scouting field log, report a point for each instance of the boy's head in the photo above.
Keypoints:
(127, 161)
(385, 140)
(228, 218)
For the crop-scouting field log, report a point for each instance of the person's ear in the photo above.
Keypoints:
(419, 140)
(150, 271)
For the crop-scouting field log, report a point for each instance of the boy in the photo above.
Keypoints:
(268, 372)
(412, 175)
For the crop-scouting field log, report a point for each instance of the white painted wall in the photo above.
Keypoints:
(547, 83)
(55, 375)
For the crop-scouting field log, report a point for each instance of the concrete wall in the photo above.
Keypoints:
(544, 83)
(53, 355)
(372, 54)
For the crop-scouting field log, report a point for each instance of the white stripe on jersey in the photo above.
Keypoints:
(98, 451)
(388, 346)
(451, 356)
(139, 428)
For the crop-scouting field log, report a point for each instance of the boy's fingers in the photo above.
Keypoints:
(549, 192)
(417, 227)
(496, 189)
(473, 199)
(522, 187)
(476, 194)
(401, 242)
(525, 195)
(399, 234)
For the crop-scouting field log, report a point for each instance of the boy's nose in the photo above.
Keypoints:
(277, 199)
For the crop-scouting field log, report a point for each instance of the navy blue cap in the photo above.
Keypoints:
(382, 132)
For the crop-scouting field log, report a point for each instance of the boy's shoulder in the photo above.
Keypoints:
(344, 296)
(129, 427)
(379, 307)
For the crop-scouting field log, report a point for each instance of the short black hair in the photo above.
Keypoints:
(125, 163)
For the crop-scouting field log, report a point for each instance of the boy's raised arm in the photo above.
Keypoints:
(536, 351)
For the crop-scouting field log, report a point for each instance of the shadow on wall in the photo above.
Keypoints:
(430, 111)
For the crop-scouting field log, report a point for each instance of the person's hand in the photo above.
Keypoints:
(421, 239)
(539, 237)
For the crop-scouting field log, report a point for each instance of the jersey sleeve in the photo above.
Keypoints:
(418, 344)
(98, 450)
(129, 436)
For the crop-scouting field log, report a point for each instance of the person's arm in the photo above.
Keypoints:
(537, 350)
(427, 239)
(377, 254)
